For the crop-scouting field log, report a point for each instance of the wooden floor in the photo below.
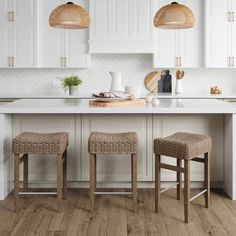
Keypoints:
(114, 216)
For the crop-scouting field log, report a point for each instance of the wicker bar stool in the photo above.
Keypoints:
(187, 147)
(113, 143)
(40, 144)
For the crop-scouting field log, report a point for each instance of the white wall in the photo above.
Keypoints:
(98, 79)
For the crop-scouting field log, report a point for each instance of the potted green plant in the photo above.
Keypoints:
(72, 84)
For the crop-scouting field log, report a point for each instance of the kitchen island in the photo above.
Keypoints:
(205, 116)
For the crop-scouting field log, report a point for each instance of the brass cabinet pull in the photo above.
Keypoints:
(12, 16)
(9, 61)
(229, 62)
(229, 16)
(9, 16)
(176, 61)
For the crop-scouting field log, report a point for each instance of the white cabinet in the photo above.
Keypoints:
(180, 48)
(121, 26)
(220, 34)
(18, 32)
(60, 48)
(117, 167)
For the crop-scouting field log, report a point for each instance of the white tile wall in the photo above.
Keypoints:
(97, 78)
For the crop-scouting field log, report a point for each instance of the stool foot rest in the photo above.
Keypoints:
(113, 193)
(38, 193)
(170, 187)
(170, 167)
(198, 195)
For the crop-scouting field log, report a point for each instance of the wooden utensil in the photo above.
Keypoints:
(179, 74)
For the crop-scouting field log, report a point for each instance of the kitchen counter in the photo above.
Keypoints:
(53, 95)
(213, 117)
(81, 106)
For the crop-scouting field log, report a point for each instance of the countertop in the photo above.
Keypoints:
(81, 106)
(86, 95)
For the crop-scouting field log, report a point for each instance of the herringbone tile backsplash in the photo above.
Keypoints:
(97, 78)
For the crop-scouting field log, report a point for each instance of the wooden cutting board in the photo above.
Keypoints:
(134, 102)
(151, 81)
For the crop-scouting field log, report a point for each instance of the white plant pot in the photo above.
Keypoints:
(73, 90)
(179, 87)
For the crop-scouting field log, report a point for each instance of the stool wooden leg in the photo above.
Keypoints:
(95, 173)
(157, 181)
(92, 181)
(179, 179)
(186, 190)
(26, 172)
(59, 181)
(65, 175)
(207, 179)
(134, 181)
(16, 181)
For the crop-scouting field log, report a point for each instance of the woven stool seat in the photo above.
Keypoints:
(113, 143)
(182, 145)
(38, 143)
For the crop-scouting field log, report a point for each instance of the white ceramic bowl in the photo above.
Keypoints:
(133, 90)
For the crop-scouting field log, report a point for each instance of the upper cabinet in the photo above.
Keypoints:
(59, 48)
(18, 32)
(180, 48)
(121, 26)
(220, 35)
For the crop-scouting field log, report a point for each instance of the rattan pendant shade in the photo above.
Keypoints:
(69, 16)
(174, 16)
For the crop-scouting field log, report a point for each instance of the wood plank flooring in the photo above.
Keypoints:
(113, 216)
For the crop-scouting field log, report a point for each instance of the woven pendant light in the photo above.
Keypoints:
(69, 16)
(174, 16)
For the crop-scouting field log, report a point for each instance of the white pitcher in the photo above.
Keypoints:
(118, 81)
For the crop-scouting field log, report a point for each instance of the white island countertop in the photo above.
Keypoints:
(81, 106)
(86, 95)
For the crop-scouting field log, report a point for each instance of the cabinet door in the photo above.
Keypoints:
(99, 19)
(143, 20)
(191, 40)
(217, 34)
(76, 45)
(25, 33)
(233, 33)
(117, 167)
(165, 55)
(5, 33)
(52, 40)
(121, 26)
(122, 19)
